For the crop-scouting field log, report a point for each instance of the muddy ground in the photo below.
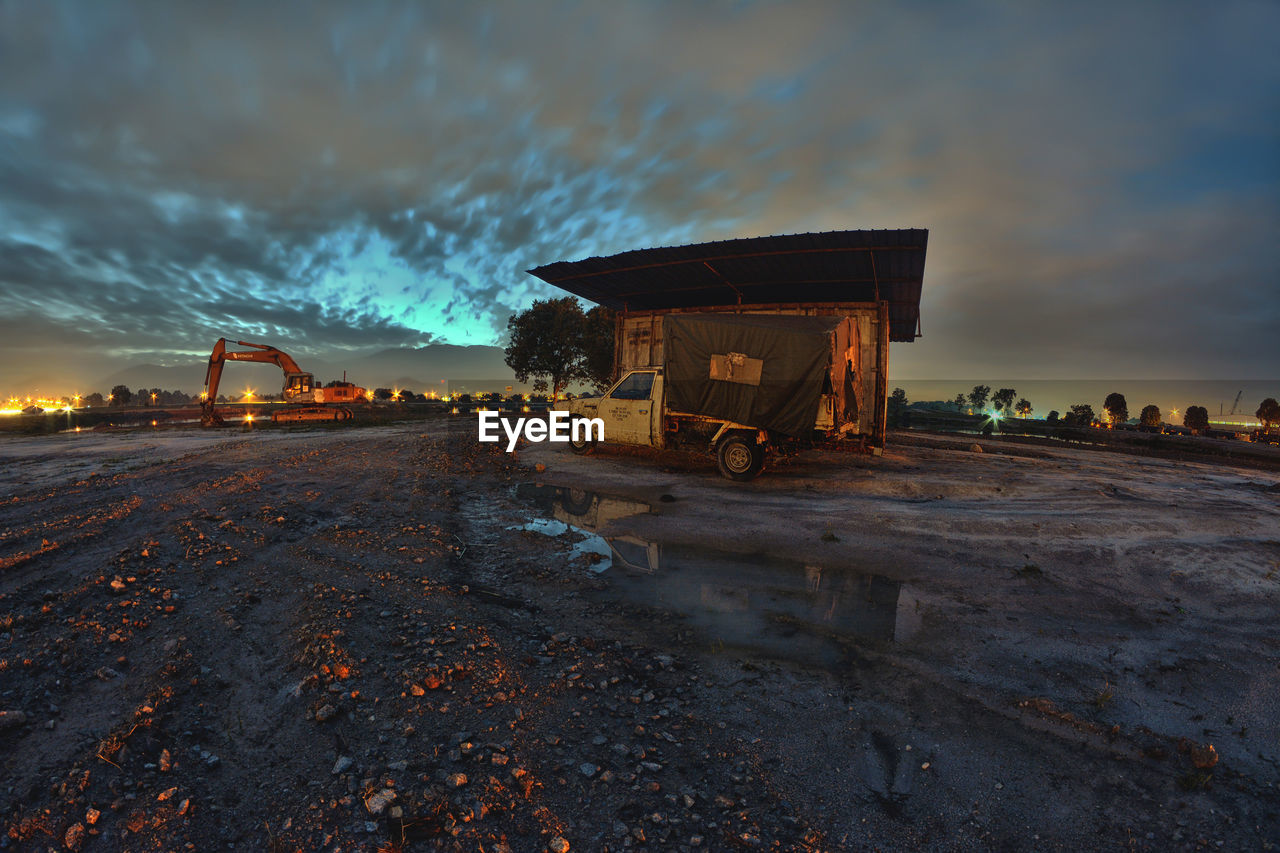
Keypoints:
(393, 638)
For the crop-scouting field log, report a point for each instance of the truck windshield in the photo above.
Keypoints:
(634, 387)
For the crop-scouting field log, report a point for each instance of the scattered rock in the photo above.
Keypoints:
(587, 769)
(375, 803)
(457, 780)
(975, 448)
(74, 836)
(1204, 757)
(12, 719)
(559, 844)
(326, 712)
(342, 764)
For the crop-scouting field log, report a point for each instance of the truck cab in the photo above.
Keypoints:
(634, 411)
(631, 409)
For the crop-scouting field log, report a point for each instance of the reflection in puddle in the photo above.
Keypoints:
(588, 510)
(589, 544)
(754, 602)
(779, 607)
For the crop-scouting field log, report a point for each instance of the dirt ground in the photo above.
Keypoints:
(395, 638)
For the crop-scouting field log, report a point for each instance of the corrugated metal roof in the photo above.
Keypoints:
(833, 266)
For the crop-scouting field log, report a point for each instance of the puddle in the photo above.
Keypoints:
(755, 603)
(578, 507)
(589, 544)
(579, 512)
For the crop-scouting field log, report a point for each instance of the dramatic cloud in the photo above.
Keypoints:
(1101, 182)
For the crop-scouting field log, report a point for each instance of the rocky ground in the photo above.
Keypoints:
(395, 638)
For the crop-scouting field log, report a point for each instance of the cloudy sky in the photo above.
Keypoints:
(1101, 181)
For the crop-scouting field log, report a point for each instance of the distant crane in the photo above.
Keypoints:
(1237, 402)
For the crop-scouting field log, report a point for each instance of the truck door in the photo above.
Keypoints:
(627, 409)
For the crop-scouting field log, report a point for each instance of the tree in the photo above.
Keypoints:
(1024, 407)
(121, 395)
(556, 343)
(1081, 415)
(1002, 400)
(897, 414)
(94, 399)
(1116, 408)
(382, 393)
(1196, 418)
(544, 343)
(1269, 413)
(407, 396)
(1150, 416)
(978, 397)
(1053, 416)
(597, 345)
(959, 402)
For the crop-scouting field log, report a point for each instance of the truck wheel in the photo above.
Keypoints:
(577, 502)
(578, 438)
(739, 458)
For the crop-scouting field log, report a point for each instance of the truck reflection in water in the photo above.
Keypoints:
(778, 607)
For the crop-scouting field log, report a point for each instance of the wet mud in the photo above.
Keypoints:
(395, 638)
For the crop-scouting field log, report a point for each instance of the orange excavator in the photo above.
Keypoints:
(314, 403)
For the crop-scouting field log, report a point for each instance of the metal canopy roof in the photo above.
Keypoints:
(834, 266)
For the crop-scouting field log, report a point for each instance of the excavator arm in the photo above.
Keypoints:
(295, 377)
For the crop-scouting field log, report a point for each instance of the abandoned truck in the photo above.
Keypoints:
(752, 347)
(741, 384)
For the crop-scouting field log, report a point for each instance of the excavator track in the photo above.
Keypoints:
(310, 413)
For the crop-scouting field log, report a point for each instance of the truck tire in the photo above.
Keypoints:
(577, 502)
(579, 445)
(739, 457)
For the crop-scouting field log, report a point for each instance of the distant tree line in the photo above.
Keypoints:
(1115, 410)
(122, 396)
(1002, 402)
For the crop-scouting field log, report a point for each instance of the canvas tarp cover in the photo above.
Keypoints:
(776, 367)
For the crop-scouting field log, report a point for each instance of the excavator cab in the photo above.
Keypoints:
(298, 386)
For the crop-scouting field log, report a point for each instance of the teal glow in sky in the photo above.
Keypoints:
(1101, 181)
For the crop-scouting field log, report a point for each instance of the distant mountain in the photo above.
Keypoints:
(187, 378)
(46, 382)
(422, 368)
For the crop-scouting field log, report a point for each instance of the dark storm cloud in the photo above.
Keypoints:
(365, 176)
